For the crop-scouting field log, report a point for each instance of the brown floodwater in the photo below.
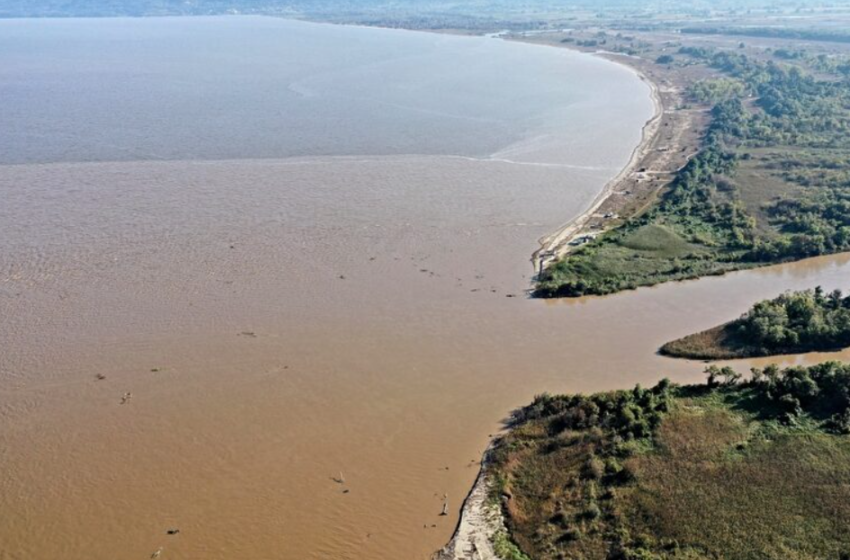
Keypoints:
(280, 321)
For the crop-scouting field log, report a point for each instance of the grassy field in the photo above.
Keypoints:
(724, 486)
(642, 254)
(718, 343)
(722, 474)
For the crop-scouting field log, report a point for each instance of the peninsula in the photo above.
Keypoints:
(793, 323)
(745, 168)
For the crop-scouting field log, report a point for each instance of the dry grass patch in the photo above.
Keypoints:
(719, 477)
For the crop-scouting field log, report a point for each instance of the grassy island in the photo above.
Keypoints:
(795, 322)
(729, 469)
(768, 185)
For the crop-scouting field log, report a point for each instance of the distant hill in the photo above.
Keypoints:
(486, 9)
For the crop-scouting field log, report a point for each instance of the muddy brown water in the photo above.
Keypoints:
(280, 320)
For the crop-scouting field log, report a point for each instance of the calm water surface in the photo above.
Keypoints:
(292, 244)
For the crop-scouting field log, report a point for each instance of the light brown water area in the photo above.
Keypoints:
(205, 341)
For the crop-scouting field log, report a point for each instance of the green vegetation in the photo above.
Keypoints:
(792, 323)
(769, 120)
(838, 36)
(715, 90)
(505, 548)
(753, 470)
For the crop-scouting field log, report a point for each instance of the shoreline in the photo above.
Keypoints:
(557, 244)
(479, 521)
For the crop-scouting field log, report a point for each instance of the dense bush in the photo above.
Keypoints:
(821, 392)
(795, 321)
(716, 90)
(629, 414)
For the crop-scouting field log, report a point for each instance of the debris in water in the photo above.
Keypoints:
(126, 398)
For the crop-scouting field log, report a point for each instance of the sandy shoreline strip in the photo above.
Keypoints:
(557, 244)
(480, 520)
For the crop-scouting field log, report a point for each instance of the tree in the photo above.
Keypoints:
(724, 376)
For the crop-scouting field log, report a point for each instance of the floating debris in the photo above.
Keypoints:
(126, 398)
